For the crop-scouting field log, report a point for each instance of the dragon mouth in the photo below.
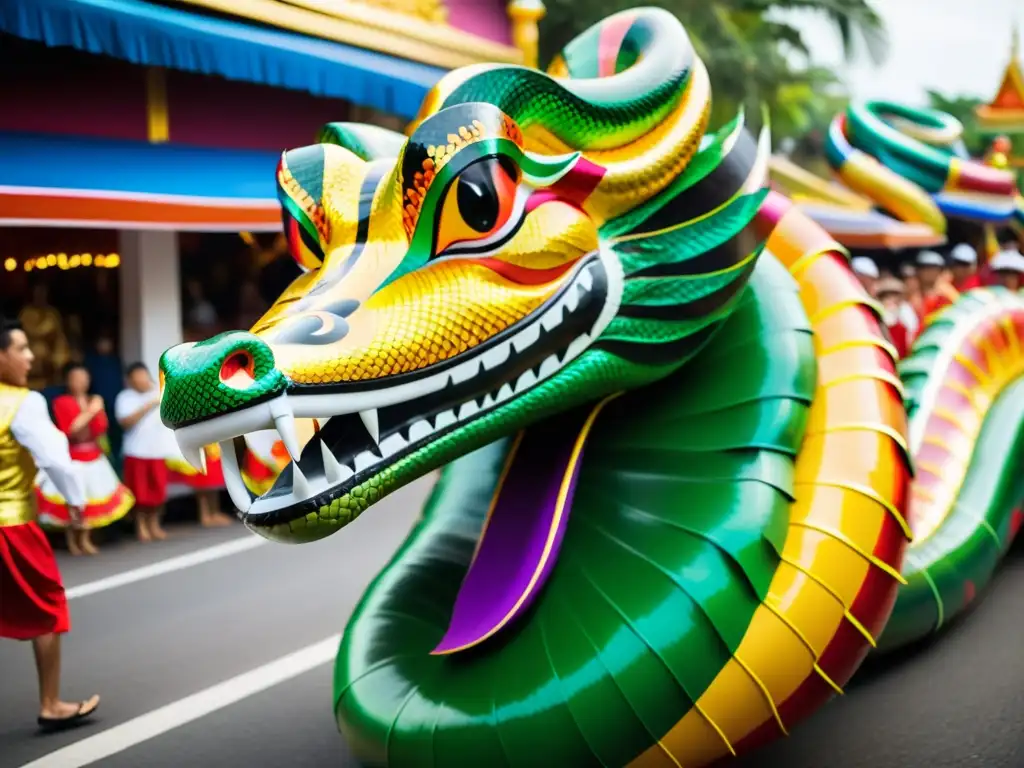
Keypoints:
(365, 430)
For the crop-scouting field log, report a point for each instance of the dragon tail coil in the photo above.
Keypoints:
(964, 383)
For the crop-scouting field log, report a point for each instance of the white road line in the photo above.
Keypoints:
(233, 547)
(178, 713)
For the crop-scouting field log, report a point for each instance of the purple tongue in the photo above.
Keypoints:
(523, 532)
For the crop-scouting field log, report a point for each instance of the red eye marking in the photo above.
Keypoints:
(238, 370)
(523, 275)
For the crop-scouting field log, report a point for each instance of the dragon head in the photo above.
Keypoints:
(527, 249)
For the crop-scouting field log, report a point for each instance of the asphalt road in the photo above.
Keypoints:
(147, 644)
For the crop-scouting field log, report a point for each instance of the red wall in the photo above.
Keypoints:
(59, 90)
(64, 91)
(486, 18)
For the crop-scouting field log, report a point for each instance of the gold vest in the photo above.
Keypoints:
(17, 470)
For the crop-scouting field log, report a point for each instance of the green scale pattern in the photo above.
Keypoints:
(193, 389)
(674, 536)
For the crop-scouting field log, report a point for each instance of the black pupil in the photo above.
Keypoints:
(477, 197)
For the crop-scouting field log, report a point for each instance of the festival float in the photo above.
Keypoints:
(677, 505)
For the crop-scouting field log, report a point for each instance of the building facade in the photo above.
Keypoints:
(128, 129)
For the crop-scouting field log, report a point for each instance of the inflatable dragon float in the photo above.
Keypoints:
(902, 173)
(678, 504)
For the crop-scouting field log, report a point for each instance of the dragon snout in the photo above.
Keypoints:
(221, 375)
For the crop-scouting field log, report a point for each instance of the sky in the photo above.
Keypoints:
(957, 47)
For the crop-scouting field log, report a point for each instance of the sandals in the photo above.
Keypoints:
(55, 724)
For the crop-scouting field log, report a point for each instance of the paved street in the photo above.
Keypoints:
(206, 652)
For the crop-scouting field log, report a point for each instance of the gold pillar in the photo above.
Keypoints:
(525, 14)
(157, 116)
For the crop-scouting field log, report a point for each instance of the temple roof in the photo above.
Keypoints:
(1006, 110)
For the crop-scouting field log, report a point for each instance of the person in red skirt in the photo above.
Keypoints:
(33, 605)
(147, 445)
(82, 418)
(206, 485)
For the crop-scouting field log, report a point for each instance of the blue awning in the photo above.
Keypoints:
(153, 35)
(115, 165)
(50, 180)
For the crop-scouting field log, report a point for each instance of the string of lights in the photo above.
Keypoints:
(63, 261)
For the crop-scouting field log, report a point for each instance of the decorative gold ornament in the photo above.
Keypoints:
(428, 10)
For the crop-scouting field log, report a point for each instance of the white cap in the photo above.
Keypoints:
(930, 259)
(1009, 260)
(862, 265)
(964, 254)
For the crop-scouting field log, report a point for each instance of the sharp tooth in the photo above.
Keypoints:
(526, 337)
(586, 279)
(549, 366)
(578, 345)
(285, 425)
(419, 430)
(239, 494)
(466, 371)
(372, 424)
(364, 460)
(468, 409)
(193, 454)
(526, 381)
(391, 445)
(335, 471)
(444, 419)
(495, 357)
(552, 318)
(505, 392)
(301, 489)
(572, 299)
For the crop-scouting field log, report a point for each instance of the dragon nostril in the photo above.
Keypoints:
(238, 370)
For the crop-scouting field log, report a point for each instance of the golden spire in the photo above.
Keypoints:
(525, 14)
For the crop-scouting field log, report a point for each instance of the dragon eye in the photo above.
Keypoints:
(478, 203)
(477, 197)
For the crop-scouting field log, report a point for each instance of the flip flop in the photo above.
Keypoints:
(55, 724)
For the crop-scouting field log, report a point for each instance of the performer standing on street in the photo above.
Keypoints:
(147, 446)
(32, 601)
(82, 418)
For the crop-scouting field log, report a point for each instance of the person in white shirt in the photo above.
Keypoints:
(147, 444)
(1008, 269)
(33, 605)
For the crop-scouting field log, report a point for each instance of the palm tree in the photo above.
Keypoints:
(754, 55)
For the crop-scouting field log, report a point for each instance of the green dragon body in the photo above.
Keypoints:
(676, 498)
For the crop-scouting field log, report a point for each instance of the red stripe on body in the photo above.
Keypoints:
(848, 647)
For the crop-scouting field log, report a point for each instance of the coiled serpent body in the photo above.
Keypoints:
(676, 505)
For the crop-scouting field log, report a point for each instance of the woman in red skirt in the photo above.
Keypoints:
(33, 605)
(84, 421)
(207, 485)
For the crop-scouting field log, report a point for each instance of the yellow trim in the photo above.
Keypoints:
(157, 114)
(820, 574)
(370, 28)
(563, 494)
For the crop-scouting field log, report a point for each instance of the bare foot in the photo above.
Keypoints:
(88, 547)
(216, 520)
(142, 533)
(157, 532)
(72, 540)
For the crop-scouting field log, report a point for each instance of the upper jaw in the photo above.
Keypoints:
(400, 414)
